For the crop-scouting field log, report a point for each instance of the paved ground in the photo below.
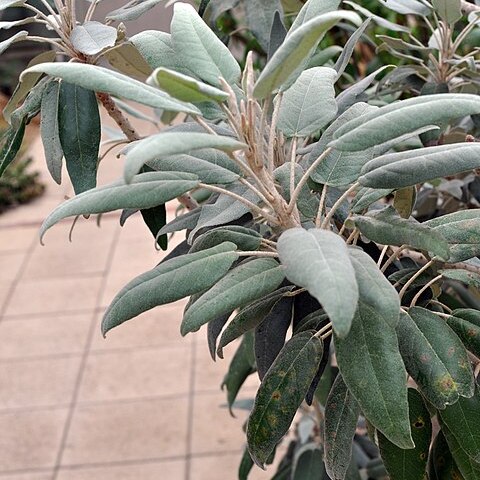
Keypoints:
(143, 404)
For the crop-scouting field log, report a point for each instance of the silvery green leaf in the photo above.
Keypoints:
(15, 38)
(382, 22)
(101, 79)
(128, 60)
(312, 9)
(93, 37)
(16, 23)
(10, 3)
(309, 104)
(406, 7)
(132, 10)
(448, 10)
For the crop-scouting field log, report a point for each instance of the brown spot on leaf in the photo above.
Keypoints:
(419, 422)
(451, 351)
(424, 358)
(276, 395)
(446, 383)
(423, 455)
(471, 332)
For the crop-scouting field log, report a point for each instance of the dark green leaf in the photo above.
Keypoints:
(435, 374)
(10, 145)
(168, 282)
(187, 221)
(442, 466)
(214, 328)
(366, 196)
(277, 35)
(465, 276)
(246, 465)
(371, 365)
(251, 316)
(468, 332)
(245, 238)
(259, 15)
(410, 464)
(244, 284)
(241, 366)
(461, 420)
(79, 132)
(318, 260)
(308, 463)
(271, 333)
(341, 415)
(449, 349)
(388, 228)
(281, 393)
(155, 218)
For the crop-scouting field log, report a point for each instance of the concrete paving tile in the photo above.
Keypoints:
(10, 264)
(168, 470)
(4, 289)
(28, 476)
(157, 327)
(143, 429)
(32, 213)
(17, 239)
(50, 335)
(30, 439)
(51, 295)
(37, 383)
(214, 429)
(86, 253)
(134, 374)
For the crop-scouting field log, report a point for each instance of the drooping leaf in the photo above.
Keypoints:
(170, 281)
(465, 322)
(93, 37)
(465, 276)
(340, 168)
(282, 391)
(251, 316)
(277, 35)
(309, 104)
(308, 464)
(461, 420)
(316, 382)
(410, 464)
(245, 238)
(31, 106)
(187, 221)
(271, 333)
(449, 349)
(296, 47)
(79, 133)
(244, 284)
(132, 10)
(379, 20)
(461, 231)
(318, 260)
(50, 131)
(214, 329)
(341, 415)
(101, 79)
(146, 191)
(128, 60)
(366, 196)
(442, 466)
(407, 6)
(374, 289)
(165, 144)
(434, 373)
(388, 228)
(155, 218)
(10, 144)
(404, 201)
(372, 368)
(200, 49)
(186, 88)
(404, 169)
(27, 83)
(241, 366)
(259, 16)
(246, 465)
(467, 467)
(14, 38)
(448, 10)
(399, 118)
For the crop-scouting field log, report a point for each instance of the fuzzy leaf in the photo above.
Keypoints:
(93, 37)
(128, 60)
(146, 191)
(410, 464)
(309, 104)
(170, 281)
(200, 49)
(312, 9)
(308, 464)
(165, 144)
(101, 79)
(404, 169)
(341, 415)
(282, 391)
(388, 228)
(132, 10)
(244, 238)
(374, 289)
(244, 284)
(295, 49)
(318, 260)
(448, 10)
(10, 144)
(259, 16)
(399, 118)
(373, 370)
(14, 38)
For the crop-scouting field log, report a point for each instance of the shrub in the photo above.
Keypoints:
(301, 207)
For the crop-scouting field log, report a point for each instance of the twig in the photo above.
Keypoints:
(205, 125)
(273, 134)
(414, 277)
(382, 255)
(321, 206)
(258, 254)
(393, 257)
(337, 204)
(425, 287)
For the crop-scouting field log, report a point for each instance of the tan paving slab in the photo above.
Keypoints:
(24, 337)
(28, 476)
(10, 264)
(166, 470)
(17, 239)
(143, 429)
(136, 373)
(30, 439)
(37, 383)
(54, 295)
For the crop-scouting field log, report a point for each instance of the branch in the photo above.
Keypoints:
(468, 7)
(425, 287)
(337, 204)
